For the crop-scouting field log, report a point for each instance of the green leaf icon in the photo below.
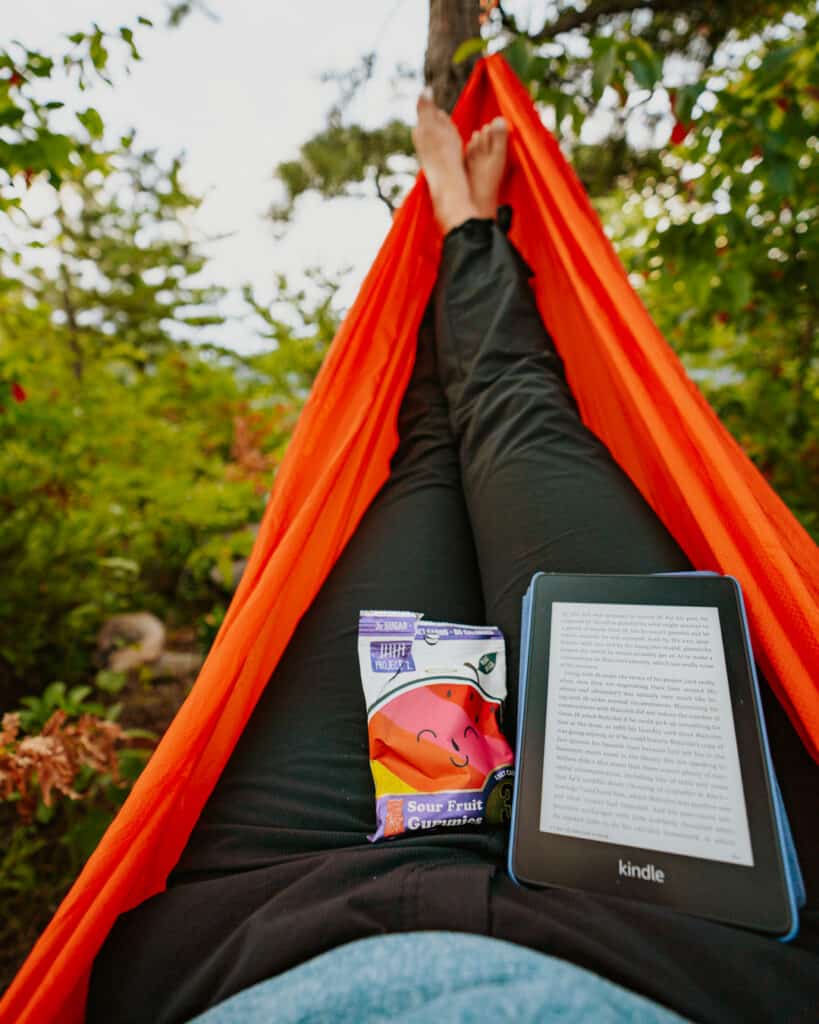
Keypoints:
(487, 663)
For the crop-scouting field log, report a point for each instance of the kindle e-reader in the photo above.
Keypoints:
(643, 768)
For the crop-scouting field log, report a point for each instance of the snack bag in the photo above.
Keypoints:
(433, 692)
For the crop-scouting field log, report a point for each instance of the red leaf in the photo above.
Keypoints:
(679, 132)
(18, 392)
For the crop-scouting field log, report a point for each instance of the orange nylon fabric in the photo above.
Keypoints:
(632, 391)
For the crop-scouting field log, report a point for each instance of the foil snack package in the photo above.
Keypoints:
(434, 692)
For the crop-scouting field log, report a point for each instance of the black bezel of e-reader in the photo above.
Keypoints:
(751, 897)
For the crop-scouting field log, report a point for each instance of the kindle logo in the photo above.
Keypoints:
(648, 872)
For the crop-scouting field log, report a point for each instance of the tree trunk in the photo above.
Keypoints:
(451, 22)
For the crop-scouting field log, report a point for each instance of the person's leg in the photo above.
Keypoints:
(278, 868)
(543, 492)
(299, 778)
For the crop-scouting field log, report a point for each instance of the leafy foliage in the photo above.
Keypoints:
(344, 156)
(724, 239)
(30, 146)
(347, 158)
(164, 444)
(135, 458)
(154, 461)
(91, 762)
(33, 766)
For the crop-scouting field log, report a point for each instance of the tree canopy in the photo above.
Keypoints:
(135, 456)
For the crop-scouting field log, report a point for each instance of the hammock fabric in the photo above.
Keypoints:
(632, 392)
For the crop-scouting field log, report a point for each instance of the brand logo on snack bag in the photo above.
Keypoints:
(391, 656)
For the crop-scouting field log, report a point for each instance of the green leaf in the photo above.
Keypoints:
(10, 116)
(54, 695)
(774, 144)
(140, 734)
(518, 55)
(92, 122)
(739, 283)
(43, 815)
(468, 48)
(132, 761)
(77, 694)
(771, 71)
(644, 74)
(83, 837)
(39, 66)
(97, 51)
(565, 106)
(781, 177)
(643, 62)
(112, 712)
(55, 150)
(687, 97)
(127, 36)
(605, 61)
(539, 67)
(109, 681)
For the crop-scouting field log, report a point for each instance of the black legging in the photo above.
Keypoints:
(494, 479)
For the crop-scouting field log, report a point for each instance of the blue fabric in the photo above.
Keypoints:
(416, 977)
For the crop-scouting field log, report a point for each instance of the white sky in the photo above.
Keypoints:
(239, 95)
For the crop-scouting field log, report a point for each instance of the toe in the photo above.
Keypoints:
(425, 103)
(498, 133)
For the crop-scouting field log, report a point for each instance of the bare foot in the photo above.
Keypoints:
(485, 164)
(440, 152)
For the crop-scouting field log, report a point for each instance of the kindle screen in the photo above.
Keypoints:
(640, 747)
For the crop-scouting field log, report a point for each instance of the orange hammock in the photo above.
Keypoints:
(632, 392)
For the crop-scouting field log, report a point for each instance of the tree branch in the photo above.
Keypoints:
(71, 320)
(382, 195)
(570, 20)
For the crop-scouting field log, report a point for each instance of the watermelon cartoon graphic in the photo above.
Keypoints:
(437, 737)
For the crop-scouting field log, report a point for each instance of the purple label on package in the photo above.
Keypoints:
(391, 656)
(394, 625)
(433, 633)
(416, 812)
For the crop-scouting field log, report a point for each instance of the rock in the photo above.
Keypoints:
(131, 640)
(176, 665)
